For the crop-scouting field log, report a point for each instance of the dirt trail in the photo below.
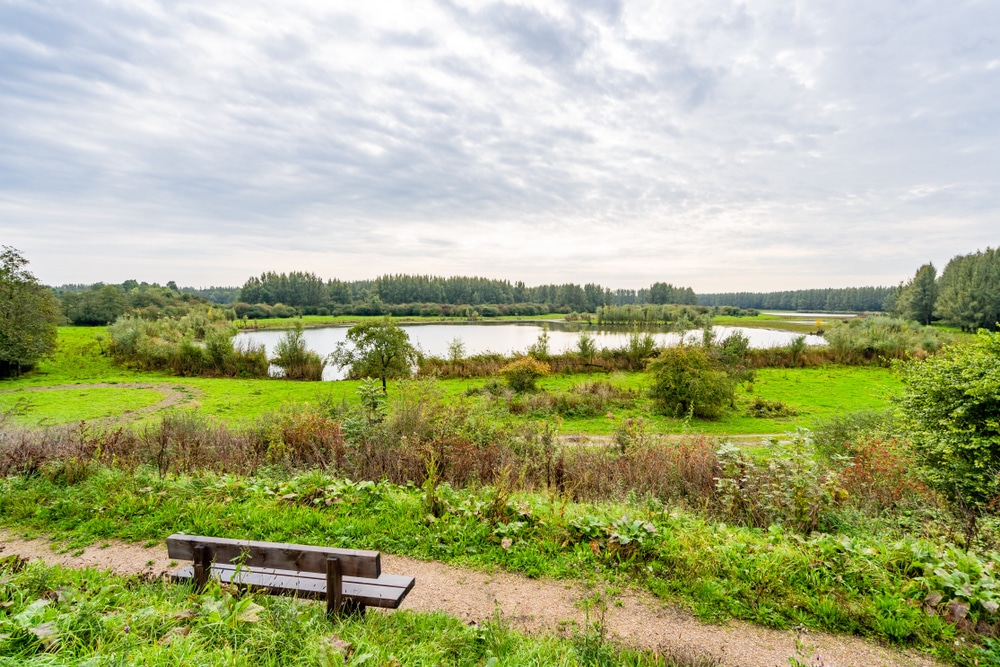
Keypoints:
(172, 395)
(635, 618)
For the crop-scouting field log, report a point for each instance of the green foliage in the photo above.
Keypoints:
(762, 408)
(540, 348)
(585, 345)
(916, 301)
(969, 295)
(951, 411)
(295, 359)
(29, 314)
(829, 299)
(650, 314)
(197, 344)
(379, 349)
(456, 350)
(640, 347)
(881, 339)
(101, 304)
(521, 375)
(790, 488)
(67, 617)
(832, 435)
(862, 584)
(687, 379)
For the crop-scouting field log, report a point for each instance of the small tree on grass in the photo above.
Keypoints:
(29, 313)
(522, 374)
(951, 410)
(379, 349)
(687, 379)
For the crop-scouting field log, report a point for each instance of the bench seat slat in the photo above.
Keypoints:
(387, 591)
(276, 555)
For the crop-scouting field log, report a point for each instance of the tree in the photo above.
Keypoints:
(917, 299)
(100, 305)
(951, 408)
(29, 314)
(687, 378)
(970, 291)
(378, 348)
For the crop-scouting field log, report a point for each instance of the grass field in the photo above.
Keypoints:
(812, 393)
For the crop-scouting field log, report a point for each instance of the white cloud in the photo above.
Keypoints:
(725, 145)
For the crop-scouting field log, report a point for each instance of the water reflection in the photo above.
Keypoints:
(508, 337)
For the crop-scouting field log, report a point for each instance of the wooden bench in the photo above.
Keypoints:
(348, 579)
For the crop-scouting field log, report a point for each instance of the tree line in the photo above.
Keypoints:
(966, 295)
(307, 290)
(830, 299)
(101, 303)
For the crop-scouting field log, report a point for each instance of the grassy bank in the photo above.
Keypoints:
(811, 394)
(867, 584)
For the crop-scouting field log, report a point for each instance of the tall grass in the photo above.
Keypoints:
(197, 344)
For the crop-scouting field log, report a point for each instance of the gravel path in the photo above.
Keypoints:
(635, 618)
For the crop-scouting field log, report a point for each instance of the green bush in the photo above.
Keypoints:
(522, 374)
(686, 379)
(832, 436)
(879, 339)
(951, 410)
(298, 362)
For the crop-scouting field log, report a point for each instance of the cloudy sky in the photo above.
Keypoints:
(717, 144)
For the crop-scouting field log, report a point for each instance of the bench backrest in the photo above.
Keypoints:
(302, 558)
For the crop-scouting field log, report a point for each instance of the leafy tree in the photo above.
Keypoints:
(917, 299)
(377, 348)
(951, 409)
(29, 314)
(688, 379)
(101, 304)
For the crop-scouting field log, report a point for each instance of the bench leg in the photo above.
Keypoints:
(201, 568)
(334, 586)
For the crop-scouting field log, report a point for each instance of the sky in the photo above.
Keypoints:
(721, 145)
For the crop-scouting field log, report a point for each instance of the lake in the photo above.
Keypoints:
(508, 337)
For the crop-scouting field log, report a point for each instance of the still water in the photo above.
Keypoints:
(508, 337)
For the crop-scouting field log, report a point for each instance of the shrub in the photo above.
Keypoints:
(790, 488)
(687, 380)
(879, 339)
(834, 435)
(199, 343)
(298, 362)
(950, 406)
(881, 476)
(763, 409)
(522, 374)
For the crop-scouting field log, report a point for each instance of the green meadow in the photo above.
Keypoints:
(81, 383)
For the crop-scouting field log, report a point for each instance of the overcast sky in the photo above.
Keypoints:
(713, 144)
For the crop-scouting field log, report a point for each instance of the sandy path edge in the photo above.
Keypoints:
(636, 618)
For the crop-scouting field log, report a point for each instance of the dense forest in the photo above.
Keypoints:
(965, 295)
(308, 291)
(831, 299)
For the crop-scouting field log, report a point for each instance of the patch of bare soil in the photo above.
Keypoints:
(172, 394)
(634, 618)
